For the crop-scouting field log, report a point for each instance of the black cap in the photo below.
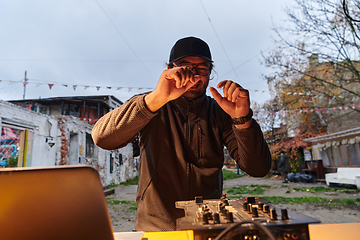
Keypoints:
(190, 46)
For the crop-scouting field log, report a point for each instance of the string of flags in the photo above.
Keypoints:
(303, 110)
(50, 85)
(75, 86)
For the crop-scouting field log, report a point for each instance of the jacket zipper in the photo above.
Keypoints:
(188, 164)
(199, 138)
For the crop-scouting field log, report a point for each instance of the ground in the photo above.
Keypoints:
(123, 215)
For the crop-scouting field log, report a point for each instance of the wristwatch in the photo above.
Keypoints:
(242, 120)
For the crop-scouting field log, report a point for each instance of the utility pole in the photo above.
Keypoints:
(25, 82)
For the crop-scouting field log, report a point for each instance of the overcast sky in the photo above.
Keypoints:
(120, 48)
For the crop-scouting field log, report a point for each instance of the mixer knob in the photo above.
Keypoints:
(266, 208)
(205, 218)
(216, 218)
(260, 206)
(199, 199)
(225, 211)
(245, 206)
(284, 214)
(220, 206)
(255, 212)
(273, 215)
(249, 208)
(250, 199)
(230, 217)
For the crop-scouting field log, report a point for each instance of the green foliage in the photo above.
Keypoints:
(246, 189)
(133, 181)
(230, 174)
(131, 204)
(321, 189)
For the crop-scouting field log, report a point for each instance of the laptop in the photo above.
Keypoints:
(53, 203)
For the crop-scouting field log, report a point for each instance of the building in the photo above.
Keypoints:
(57, 131)
(340, 149)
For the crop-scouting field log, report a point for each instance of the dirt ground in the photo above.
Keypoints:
(123, 218)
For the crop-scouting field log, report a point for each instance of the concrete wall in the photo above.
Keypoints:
(71, 137)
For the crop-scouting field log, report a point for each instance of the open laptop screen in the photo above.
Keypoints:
(62, 202)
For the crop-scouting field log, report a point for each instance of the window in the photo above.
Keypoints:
(354, 154)
(90, 146)
(344, 155)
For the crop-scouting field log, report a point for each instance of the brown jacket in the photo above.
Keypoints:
(181, 153)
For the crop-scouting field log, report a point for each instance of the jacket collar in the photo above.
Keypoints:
(184, 102)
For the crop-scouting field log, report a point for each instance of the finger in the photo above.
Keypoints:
(231, 90)
(189, 77)
(216, 95)
(226, 89)
(235, 95)
(221, 84)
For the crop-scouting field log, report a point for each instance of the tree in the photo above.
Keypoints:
(316, 68)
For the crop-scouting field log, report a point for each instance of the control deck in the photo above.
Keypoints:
(207, 218)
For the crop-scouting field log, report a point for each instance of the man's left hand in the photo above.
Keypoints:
(236, 100)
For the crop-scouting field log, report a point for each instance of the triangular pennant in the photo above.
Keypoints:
(108, 87)
(65, 85)
(119, 88)
(85, 87)
(50, 85)
(98, 88)
(74, 87)
(25, 83)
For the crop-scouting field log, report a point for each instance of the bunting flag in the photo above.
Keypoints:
(86, 87)
(25, 83)
(50, 85)
(74, 87)
(98, 88)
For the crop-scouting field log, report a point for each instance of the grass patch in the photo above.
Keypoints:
(248, 189)
(133, 181)
(321, 189)
(131, 204)
(319, 201)
(227, 174)
(111, 185)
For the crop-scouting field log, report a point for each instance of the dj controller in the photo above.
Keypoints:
(243, 218)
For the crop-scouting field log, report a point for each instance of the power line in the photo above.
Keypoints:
(118, 31)
(219, 40)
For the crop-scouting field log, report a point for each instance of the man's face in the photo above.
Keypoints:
(200, 87)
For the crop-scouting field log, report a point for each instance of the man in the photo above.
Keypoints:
(283, 166)
(182, 136)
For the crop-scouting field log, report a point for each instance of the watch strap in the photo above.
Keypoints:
(242, 120)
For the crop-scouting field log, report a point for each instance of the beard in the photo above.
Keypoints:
(197, 90)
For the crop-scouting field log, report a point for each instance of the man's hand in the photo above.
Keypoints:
(172, 84)
(236, 100)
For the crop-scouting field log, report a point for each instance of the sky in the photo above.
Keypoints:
(120, 48)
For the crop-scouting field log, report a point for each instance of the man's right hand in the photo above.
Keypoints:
(172, 84)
